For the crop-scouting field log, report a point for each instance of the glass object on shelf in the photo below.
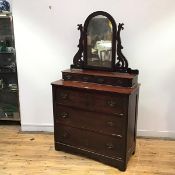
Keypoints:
(3, 47)
(8, 111)
(7, 63)
(4, 6)
(13, 87)
(10, 50)
(1, 84)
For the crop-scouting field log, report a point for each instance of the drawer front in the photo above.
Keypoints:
(98, 122)
(90, 141)
(99, 79)
(109, 103)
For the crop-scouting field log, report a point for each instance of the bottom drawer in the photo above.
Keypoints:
(101, 144)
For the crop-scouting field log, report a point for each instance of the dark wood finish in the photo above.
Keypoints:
(96, 120)
(90, 141)
(109, 124)
(122, 61)
(77, 60)
(83, 99)
(94, 87)
(80, 58)
(101, 77)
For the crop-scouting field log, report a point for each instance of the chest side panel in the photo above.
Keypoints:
(132, 124)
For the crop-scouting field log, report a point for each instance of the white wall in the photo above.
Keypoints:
(46, 43)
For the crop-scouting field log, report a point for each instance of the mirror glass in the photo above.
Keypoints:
(99, 42)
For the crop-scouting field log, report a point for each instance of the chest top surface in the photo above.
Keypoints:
(93, 86)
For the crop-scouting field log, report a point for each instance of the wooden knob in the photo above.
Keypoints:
(111, 124)
(119, 114)
(64, 115)
(110, 145)
(119, 82)
(65, 135)
(68, 77)
(111, 103)
(64, 96)
(100, 80)
(85, 78)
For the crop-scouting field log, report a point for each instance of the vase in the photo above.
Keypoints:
(4, 5)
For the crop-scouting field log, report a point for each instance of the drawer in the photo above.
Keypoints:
(101, 78)
(98, 122)
(83, 139)
(93, 101)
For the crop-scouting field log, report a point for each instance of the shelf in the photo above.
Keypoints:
(7, 70)
(11, 72)
(7, 36)
(9, 112)
(11, 118)
(7, 52)
(8, 91)
(5, 14)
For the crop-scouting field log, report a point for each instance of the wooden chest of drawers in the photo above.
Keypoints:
(95, 120)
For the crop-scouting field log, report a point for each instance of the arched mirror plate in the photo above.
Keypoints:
(99, 42)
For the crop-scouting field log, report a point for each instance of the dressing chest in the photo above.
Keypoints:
(96, 120)
(95, 105)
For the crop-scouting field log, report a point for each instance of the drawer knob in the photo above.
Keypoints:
(64, 115)
(119, 114)
(64, 96)
(85, 78)
(65, 135)
(68, 77)
(110, 145)
(119, 82)
(111, 124)
(117, 135)
(100, 80)
(111, 103)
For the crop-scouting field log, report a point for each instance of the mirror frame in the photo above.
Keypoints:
(114, 32)
(118, 64)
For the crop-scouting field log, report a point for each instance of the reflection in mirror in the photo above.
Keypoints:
(99, 42)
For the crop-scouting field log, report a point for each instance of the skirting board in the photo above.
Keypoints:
(149, 133)
(143, 133)
(34, 127)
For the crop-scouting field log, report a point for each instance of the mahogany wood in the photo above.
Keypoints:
(96, 120)
(109, 124)
(101, 77)
(94, 87)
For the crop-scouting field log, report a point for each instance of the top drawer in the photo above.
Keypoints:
(101, 77)
(93, 101)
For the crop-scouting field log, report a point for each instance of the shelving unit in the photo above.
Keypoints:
(9, 97)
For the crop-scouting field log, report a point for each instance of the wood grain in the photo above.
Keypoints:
(33, 153)
(100, 73)
(93, 86)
